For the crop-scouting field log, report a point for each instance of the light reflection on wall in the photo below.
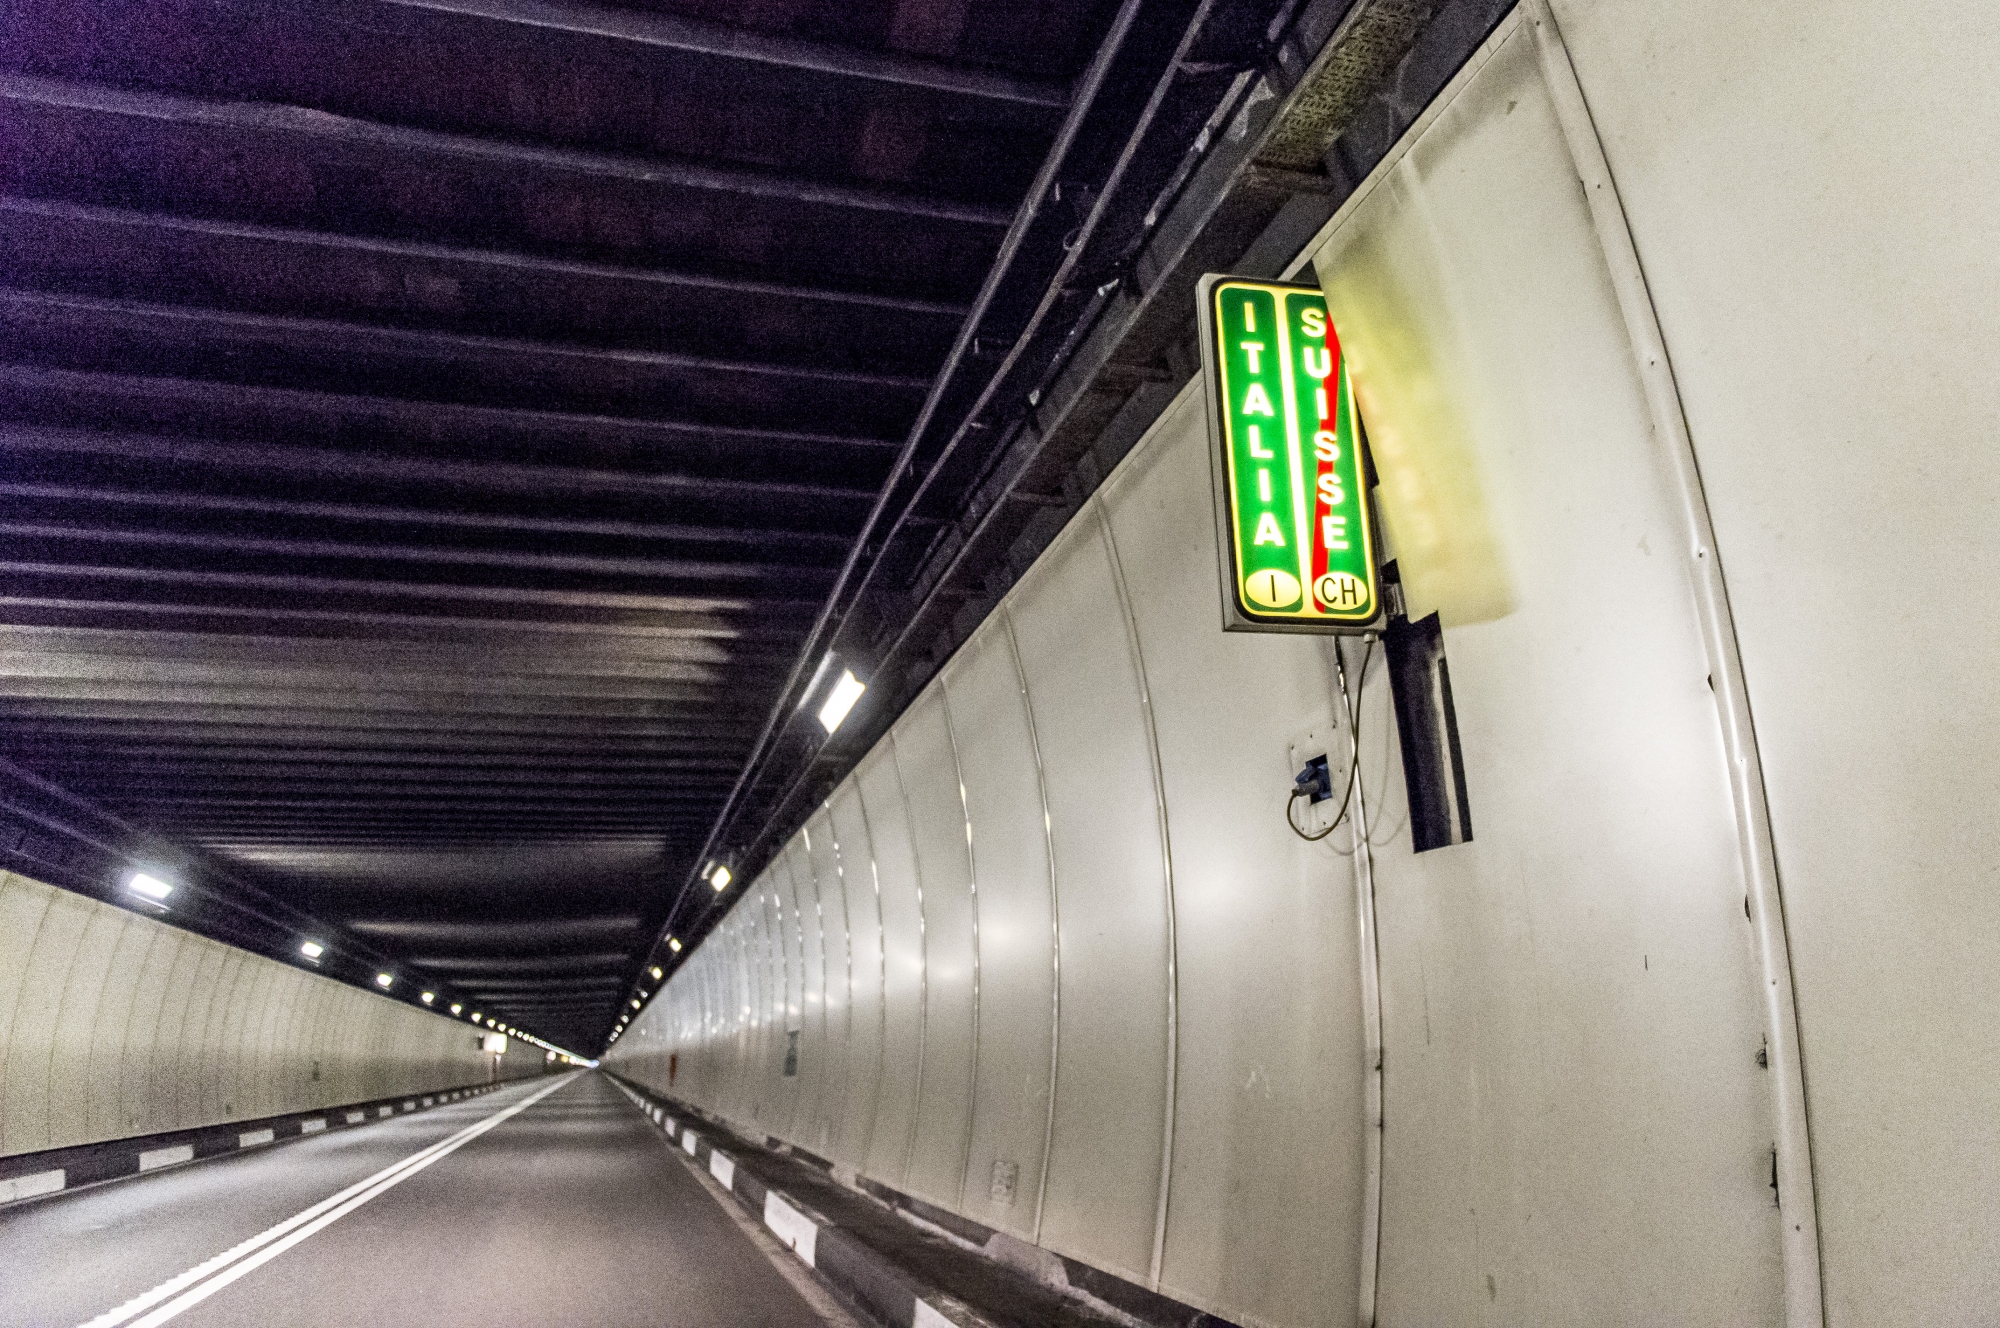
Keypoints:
(1395, 328)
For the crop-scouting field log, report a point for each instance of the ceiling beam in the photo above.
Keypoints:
(686, 36)
(300, 129)
(551, 483)
(460, 440)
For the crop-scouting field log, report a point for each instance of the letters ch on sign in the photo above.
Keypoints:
(1298, 550)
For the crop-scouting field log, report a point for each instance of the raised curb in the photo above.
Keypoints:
(874, 1283)
(26, 1176)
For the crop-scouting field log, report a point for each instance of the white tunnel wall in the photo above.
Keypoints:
(1079, 940)
(1811, 190)
(113, 1024)
(1578, 1130)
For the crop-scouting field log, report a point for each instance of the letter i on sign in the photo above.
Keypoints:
(1289, 502)
(1263, 475)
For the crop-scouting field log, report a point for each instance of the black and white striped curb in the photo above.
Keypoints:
(34, 1175)
(877, 1285)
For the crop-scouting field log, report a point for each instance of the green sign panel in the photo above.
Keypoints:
(1298, 552)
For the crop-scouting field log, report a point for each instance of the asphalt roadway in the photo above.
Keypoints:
(551, 1202)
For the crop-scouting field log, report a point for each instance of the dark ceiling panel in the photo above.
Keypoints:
(118, 253)
(571, 74)
(430, 428)
(285, 166)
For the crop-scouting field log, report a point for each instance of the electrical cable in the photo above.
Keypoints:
(1353, 764)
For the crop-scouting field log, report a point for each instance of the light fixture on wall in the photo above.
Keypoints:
(674, 944)
(385, 981)
(840, 700)
(721, 878)
(657, 975)
(312, 949)
(457, 1008)
(428, 997)
(148, 887)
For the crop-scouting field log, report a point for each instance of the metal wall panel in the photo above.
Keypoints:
(1010, 858)
(69, 1058)
(25, 1123)
(782, 1097)
(758, 988)
(1568, 1000)
(772, 1012)
(1112, 1112)
(929, 767)
(23, 908)
(840, 992)
(861, 1052)
(111, 1037)
(1815, 236)
(144, 1084)
(827, 1003)
(188, 1034)
(114, 1024)
(904, 986)
(1265, 1213)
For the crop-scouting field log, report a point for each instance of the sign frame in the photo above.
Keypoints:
(1348, 470)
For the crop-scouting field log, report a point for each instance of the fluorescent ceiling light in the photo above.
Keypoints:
(841, 700)
(721, 878)
(384, 980)
(312, 949)
(150, 886)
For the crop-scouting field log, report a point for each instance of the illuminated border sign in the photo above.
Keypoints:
(1298, 553)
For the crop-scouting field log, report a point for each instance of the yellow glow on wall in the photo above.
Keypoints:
(1396, 325)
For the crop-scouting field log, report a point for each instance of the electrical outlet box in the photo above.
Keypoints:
(1323, 742)
(1317, 777)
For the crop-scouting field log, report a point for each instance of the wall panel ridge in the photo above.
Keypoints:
(1167, 876)
(972, 915)
(1006, 617)
(113, 1024)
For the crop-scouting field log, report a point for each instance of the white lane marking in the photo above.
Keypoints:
(312, 1126)
(190, 1288)
(385, 1111)
(165, 1157)
(251, 1138)
(723, 1168)
(689, 1140)
(791, 1226)
(355, 1117)
(30, 1185)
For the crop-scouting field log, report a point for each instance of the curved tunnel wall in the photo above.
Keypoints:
(113, 1024)
(1049, 957)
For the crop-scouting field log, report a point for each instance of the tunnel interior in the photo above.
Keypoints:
(632, 646)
